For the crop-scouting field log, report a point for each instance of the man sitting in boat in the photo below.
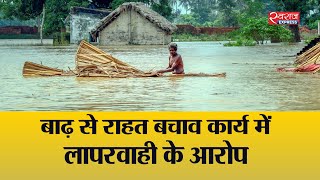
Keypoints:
(175, 61)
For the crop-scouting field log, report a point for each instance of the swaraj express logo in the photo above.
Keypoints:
(281, 18)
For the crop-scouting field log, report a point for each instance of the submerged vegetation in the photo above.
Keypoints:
(201, 37)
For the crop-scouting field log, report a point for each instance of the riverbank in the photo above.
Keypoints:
(25, 42)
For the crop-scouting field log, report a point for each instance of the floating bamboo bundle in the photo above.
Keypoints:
(309, 45)
(92, 61)
(33, 69)
(311, 56)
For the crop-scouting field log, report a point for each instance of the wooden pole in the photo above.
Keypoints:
(42, 22)
(129, 27)
(318, 27)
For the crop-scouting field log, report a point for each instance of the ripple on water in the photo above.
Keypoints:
(251, 83)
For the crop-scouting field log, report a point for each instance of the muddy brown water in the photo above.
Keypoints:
(252, 83)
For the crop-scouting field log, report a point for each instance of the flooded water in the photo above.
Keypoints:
(251, 84)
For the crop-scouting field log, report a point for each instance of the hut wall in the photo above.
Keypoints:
(116, 33)
(81, 25)
(142, 31)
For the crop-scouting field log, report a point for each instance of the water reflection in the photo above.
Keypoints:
(251, 83)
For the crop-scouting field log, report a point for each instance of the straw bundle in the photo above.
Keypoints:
(92, 61)
(310, 56)
(33, 69)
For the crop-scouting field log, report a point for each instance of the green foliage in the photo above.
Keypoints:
(312, 18)
(241, 42)
(208, 24)
(280, 33)
(31, 8)
(21, 9)
(61, 39)
(221, 13)
(116, 3)
(295, 5)
(56, 13)
(10, 9)
(255, 8)
(201, 37)
(237, 39)
(255, 29)
(227, 9)
(101, 3)
(259, 30)
(313, 24)
(303, 7)
(307, 37)
(209, 13)
(163, 7)
(191, 19)
(312, 21)
(205, 10)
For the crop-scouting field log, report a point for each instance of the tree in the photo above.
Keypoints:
(294, 6)
(116, 3)
(22, 9)
(226, 7)
(190, 19)
(174, 5)
(9, 9)
(162, 7)
(57, 11)
(185, 4)
(259, 30)
(32, 8)
(101, 3)
(249, 8)
(25, 10)
(314, 16)
(202, 8)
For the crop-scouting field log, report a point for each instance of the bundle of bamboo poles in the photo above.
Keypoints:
(93, 62)
(311, 56)
(33, 69)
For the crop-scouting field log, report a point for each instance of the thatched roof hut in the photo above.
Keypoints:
(142, 10)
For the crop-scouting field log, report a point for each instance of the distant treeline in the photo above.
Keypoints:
(208, 13)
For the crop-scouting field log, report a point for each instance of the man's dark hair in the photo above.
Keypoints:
(173, 45)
